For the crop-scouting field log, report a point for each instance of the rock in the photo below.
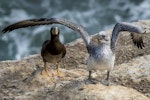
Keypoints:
(130, 79)
(101, 92)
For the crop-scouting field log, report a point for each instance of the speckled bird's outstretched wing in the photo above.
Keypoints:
(135, 30)
(46, 21)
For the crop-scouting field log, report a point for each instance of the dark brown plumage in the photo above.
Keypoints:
(53, 50)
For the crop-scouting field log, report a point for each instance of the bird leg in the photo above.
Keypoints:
(90, 77)
(90, 80)
(108, 72)
(46, 70)
(58, 71)
(107, 75)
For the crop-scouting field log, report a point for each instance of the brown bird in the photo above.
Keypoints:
(53, 50)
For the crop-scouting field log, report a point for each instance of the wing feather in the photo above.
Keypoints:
(136, 29)
(46, 21)
(137, 40)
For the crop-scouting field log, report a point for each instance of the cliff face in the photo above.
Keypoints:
(130, 79)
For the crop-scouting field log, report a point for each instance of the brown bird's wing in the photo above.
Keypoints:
(46, 21)
(44, 48)
(137, 40)
(64, 52)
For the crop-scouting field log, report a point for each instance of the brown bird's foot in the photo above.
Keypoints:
(59, 73)
(47, 72)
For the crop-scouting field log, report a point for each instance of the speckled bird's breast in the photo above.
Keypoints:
(102, 59)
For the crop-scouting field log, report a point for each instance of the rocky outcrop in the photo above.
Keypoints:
(130, 79)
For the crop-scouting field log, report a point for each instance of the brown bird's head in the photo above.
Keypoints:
(54, 31)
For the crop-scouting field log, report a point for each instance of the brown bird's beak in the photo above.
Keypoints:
(54, 30)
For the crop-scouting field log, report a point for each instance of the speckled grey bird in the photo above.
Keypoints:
(101, 56)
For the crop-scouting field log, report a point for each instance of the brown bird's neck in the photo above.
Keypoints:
(55, 46)
(55, 43)
(55, 38)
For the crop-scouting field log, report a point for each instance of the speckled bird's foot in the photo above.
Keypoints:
(105, 82)
(91, 81)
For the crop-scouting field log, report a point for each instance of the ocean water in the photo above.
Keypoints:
(94, 15)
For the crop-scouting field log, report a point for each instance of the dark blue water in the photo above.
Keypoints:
(95, 15)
